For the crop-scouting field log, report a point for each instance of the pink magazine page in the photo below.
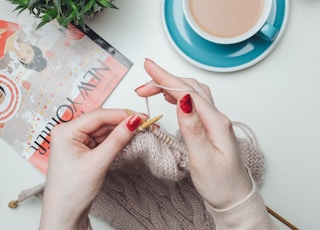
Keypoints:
(50, 76)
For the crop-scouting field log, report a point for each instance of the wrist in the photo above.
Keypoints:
(51, 221)
(83, 222)
(233, 194)
(58, 213)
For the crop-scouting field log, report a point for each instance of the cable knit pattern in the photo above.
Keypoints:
(149, 186)
(170, 161)
(167, 161)
(132, 198)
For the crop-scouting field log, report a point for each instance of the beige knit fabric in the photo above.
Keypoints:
(166, 159)
(149, 186)
(169, 159)
(132, 198)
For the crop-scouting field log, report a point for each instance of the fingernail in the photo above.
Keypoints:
(148, 59)
(186, 104)
(129, 112)
(141, 86)
(134, 123)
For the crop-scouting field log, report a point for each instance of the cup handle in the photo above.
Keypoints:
(268, 32)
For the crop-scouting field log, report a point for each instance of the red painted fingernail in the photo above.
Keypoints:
(134, 123)
(141, 86)
(186, 104)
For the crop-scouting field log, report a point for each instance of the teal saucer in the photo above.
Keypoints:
(216, 57)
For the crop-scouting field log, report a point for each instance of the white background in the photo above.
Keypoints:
(277, 98)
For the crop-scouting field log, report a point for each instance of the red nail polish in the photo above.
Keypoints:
(141, 86)
(186, 104)
(134, 123)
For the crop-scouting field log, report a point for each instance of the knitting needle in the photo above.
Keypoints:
(280, 218)
(149, 123)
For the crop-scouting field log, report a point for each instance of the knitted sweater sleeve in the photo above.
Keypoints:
(250, 213)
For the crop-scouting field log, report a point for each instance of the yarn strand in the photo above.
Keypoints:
(172, 89)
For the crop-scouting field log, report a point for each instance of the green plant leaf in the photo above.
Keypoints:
(65, 11)
(87, 7)
(71, 18)
(47, 17)
(32, 3)
(57, 4)
(106, 4)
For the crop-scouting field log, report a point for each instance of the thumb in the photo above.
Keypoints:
(107, 151)
(193, 130)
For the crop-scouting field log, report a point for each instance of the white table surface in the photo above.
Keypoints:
(277, 98)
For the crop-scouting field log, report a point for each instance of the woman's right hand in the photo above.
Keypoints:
(216, 167)
(80, 155)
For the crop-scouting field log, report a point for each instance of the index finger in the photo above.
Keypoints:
(210, 116)
(176, 87)
(162, 80)
(90, 122)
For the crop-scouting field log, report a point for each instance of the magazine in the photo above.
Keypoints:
(50, 76)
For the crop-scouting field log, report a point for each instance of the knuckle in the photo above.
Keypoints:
(56, 130)
(190, 81)
(119, 139)
(194, 127)
(206, 88)
(59, 131)
(225, 121)
(193, 82)
(120, 142)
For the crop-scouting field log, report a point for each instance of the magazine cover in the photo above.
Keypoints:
(50, 76)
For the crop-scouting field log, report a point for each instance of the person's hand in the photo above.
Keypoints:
(81, 153)
(216, 168)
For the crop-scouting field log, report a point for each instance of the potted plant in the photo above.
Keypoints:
(64, 11)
